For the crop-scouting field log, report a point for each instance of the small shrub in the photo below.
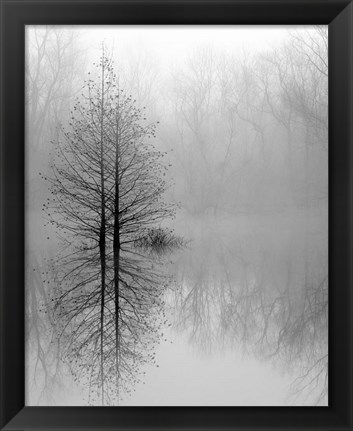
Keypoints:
(160, 240)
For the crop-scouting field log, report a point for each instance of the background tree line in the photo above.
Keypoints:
(250, 134)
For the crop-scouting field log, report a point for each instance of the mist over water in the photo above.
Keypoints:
(234, 311)
(249, 311)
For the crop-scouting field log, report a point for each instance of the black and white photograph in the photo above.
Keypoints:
(176, 215)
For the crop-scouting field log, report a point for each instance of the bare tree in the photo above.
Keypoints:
(107, 187)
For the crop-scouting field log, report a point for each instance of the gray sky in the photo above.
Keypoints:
(173, 44)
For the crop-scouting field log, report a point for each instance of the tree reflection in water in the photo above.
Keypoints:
(266, 291)
(141, 317)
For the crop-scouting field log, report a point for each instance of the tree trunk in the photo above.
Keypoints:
(102, 235)
(116, 249)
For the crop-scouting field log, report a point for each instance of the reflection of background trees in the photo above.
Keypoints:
(43, 352)
(269, 297)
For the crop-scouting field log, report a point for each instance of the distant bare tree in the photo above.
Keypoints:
(52, 59)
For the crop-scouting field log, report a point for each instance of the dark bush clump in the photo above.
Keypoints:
(160, 240)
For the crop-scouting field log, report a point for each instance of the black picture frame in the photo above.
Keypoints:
(15, 14)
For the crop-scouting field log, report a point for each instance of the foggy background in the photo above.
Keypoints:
(243, 117)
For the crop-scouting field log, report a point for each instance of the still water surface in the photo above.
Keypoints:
(246, 318)
(249, 315)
